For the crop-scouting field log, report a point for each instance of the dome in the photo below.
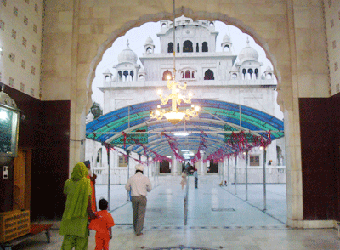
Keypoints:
(226, 39)
(127, 55)
(107, 72)
(248, 53)
(148, 41)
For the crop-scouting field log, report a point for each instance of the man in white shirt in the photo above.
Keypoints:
(139, 185)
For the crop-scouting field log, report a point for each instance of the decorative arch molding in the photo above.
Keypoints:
(200, 15)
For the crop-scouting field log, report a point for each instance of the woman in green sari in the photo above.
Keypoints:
(77, 209)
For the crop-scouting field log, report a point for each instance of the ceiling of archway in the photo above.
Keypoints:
(132, 129)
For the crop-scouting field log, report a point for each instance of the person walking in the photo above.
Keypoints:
(103, 226)
(196, 178)
(78, 209)
(139, 185)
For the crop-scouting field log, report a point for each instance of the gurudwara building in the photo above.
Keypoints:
(210, 75)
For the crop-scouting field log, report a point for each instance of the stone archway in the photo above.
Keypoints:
(94, 25)
(202, 15)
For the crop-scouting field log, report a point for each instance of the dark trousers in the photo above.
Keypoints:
(196, 181)
(138, 206)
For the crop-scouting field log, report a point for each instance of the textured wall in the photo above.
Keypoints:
(20, 39)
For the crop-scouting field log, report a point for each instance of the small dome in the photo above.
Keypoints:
(226, 39)
(127, 55)
(107, 72)
(248, 54)
(148, 41)
(269, 68)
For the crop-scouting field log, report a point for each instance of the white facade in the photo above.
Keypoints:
(222, 76)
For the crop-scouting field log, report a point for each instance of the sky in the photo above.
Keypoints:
(137, 36)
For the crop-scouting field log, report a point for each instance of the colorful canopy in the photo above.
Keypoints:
(132, 128)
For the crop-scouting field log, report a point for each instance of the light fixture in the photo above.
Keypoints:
(174, 115)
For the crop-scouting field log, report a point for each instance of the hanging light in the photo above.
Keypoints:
(175, 115)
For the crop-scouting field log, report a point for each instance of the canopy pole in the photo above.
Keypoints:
(128, 171)
(264, 181)
(235, 174)
(228, 175)
(109, 179)
(246, 175)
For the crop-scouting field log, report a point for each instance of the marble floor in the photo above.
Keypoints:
(217, 219)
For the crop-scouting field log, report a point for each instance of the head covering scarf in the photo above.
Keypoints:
(77, 196)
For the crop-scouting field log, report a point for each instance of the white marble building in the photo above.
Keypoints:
(223, 76)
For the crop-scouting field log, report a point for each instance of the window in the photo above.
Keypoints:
(204, 47)
(250, 72)
(170, 47)
(209, 75)
(125, 73)
(177, 47)
(197, 48)
(187, 74)
(256, 73)
(254, 160)
(187, 47)
(166, 74)
(244, 72)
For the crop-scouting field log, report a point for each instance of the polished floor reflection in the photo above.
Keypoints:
(217, 219)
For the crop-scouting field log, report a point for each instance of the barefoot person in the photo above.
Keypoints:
(139, 185)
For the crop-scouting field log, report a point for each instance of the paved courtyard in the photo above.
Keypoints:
(217, 219)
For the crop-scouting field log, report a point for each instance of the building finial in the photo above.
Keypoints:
(127, 42)
(247, 42)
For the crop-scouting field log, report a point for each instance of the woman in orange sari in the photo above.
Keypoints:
(92, 178)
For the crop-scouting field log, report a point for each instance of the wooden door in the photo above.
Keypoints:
(22, 180)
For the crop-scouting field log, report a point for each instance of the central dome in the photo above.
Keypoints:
(248, 54)
(127, 55)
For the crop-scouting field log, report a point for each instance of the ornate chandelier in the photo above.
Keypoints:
(175, 115)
